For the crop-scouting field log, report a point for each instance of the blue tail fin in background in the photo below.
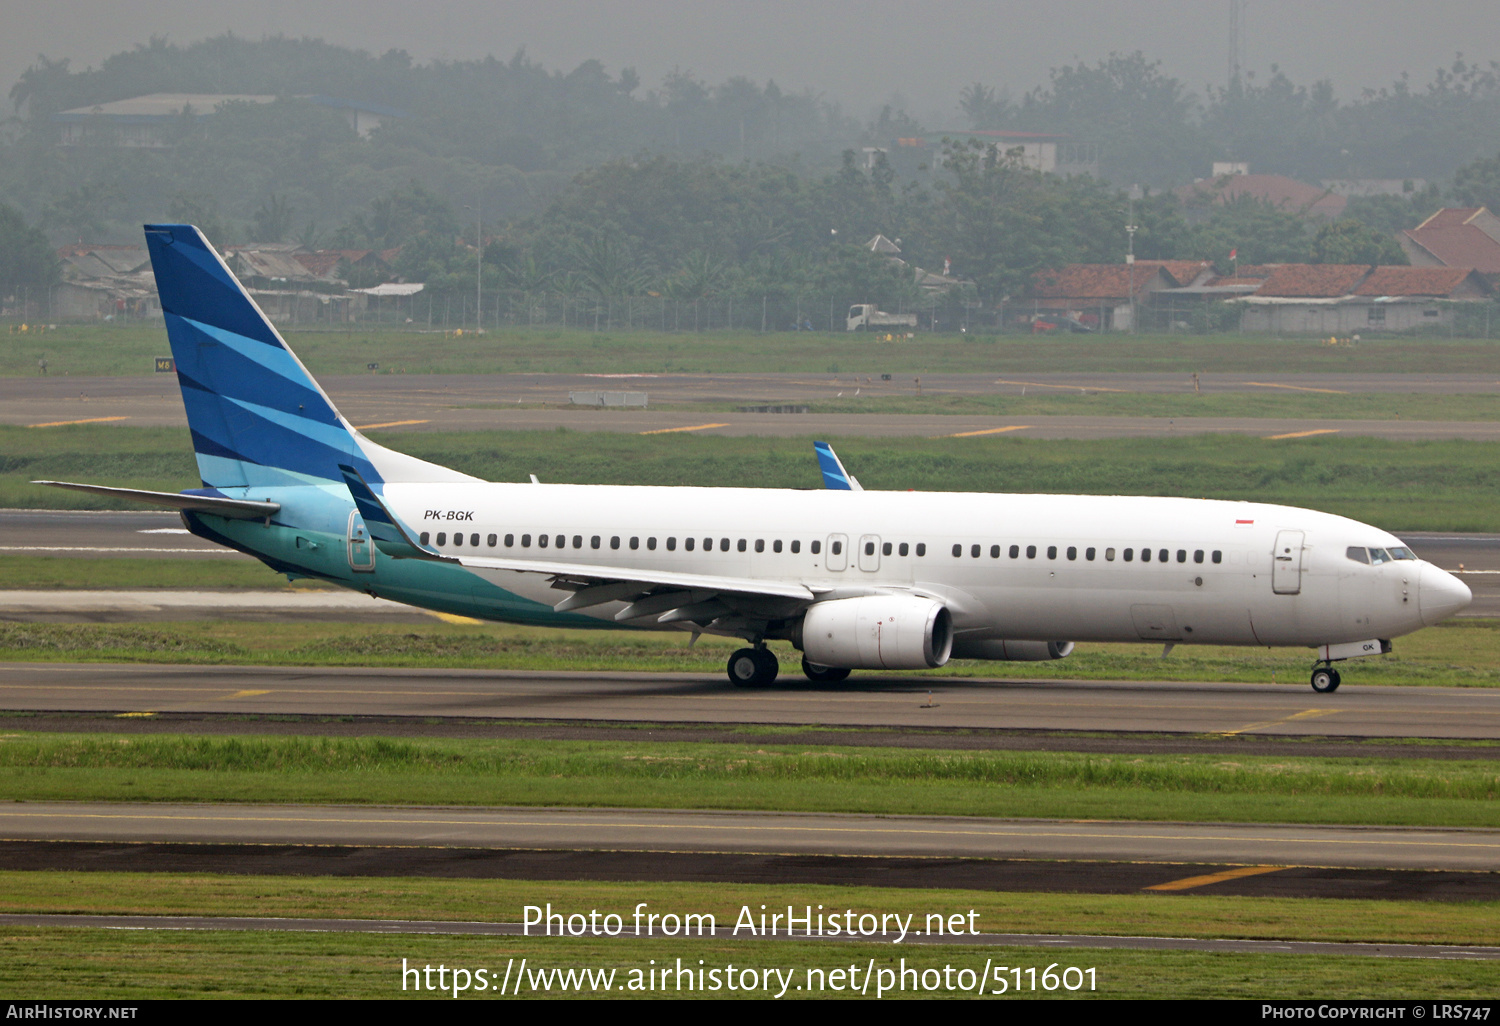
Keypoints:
(257, 417)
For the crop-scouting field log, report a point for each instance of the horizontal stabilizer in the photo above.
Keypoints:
(234, 509)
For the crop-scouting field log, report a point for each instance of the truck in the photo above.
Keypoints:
(866, 317)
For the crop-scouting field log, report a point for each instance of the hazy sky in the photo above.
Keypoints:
(857, 52)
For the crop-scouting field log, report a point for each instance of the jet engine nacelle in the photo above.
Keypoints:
(878, 632)
(1013, 651)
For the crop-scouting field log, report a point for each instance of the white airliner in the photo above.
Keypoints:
(854, 579)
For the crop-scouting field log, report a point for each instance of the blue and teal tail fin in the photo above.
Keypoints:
(258, 418)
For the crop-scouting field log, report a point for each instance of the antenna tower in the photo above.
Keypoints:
(1236, 39)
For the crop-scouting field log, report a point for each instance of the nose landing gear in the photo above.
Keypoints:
(1325, 679)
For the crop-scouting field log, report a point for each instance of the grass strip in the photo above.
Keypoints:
(423, 771)
(128, 965)
(79, 349)
(1458, 653)
(220, 570)
(1398, 485)
(1145, 915)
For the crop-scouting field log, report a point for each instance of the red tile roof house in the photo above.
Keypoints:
(1099, 295)
(1283, 193)
(1349, 299)
(1455, 237)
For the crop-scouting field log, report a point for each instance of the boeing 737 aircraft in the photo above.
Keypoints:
(854, 579)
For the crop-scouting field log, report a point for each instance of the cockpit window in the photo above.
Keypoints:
(1399, 552)
(1358, 553)
(1378, 556)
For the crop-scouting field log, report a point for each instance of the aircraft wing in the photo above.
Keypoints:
(666, 596)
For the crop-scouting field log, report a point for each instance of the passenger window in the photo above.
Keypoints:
(740, 545)
(836, 548)
(474, 540)
(1182, 555)
(994, 552)
(1354, 552)
(1088, 554)
(578, 541)
(1015, 552)
(491, 540)
(541, 540)
(688, 543)
(671, 544)
(708, 544)
(423, 538)
(958, 550)
(1051, 551)
(815, 547)
(1031, 552)
(458, 539)
(510, 540)
(562, 541)
(1197, 555)
(1161, 555)
(1145, 555)
(760, 545)
(594, 542)
(651, 543)
(1128, 555)
(1109, 555)
(776, 545)
(723, 544)
(796, 546)
(1218, 556)
(885, 550)
(442, 538)
(1072, 552)
(635, 542)
(869, 548)
(525, 541)
(904, 549)
(974, 551)
(614, 541)
(921, 548)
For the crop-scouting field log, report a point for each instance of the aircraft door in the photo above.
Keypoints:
(838, 552)
(1286, 563)
(869, 553)
(361, 552)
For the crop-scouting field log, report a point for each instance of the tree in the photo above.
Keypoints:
(1478, 184)
(26, 260)
(273, 220)
(1260, 231)
(1347, 241)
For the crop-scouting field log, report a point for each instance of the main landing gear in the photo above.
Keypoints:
(1325, 679)
(753, 667)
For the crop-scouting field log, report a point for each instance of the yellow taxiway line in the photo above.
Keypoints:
(1188, 883)
(695, 427)
(1296, 388)
(986, 431)
(65, 423)
(1043, 384)
(389, 423)
(1303, 434)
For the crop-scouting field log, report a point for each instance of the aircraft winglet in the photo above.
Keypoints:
(385, 530)
(834, 474)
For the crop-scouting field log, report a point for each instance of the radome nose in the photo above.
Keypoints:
(1440, 595)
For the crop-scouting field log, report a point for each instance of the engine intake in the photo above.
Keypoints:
(878, 632)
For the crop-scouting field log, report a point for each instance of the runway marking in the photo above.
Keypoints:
(986, 431)
(1296, 388)
(1042, 384)
(133, 715)
(695, 427)
(466, 621)
(1189, 882)
(1303, 434)
(389, 423)
(1306, 714)
(248, 694)
(88, 420)
(591, 822)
